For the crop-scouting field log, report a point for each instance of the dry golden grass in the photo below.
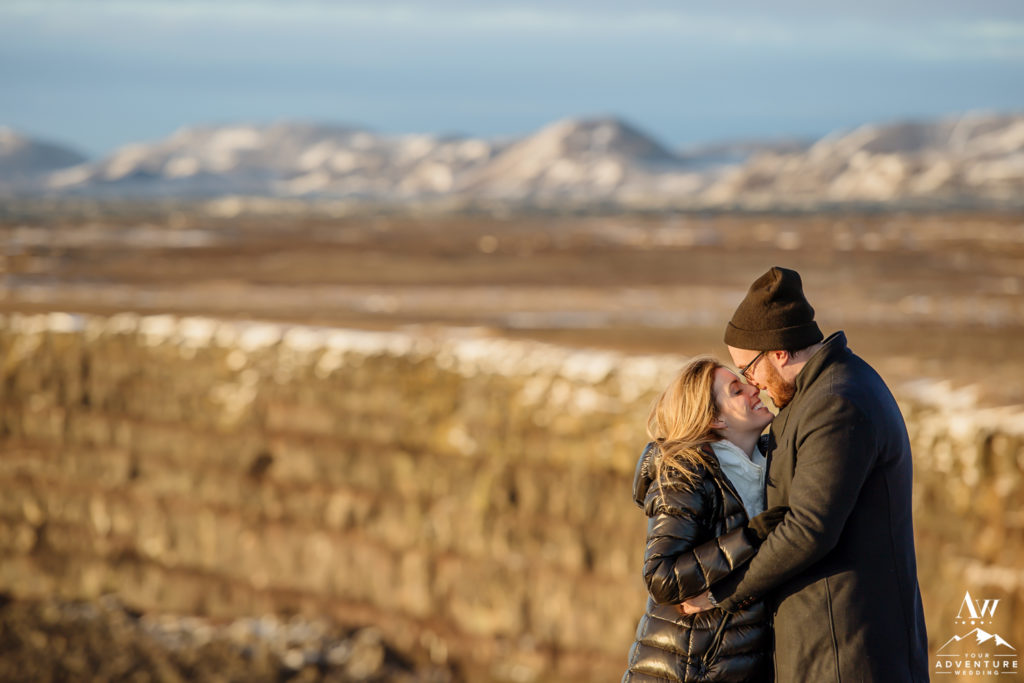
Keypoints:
(934, 295)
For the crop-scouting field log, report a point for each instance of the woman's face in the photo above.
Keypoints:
(739, 403)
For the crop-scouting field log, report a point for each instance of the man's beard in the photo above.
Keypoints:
(778, 388)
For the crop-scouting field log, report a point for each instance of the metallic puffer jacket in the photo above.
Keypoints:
(695, 539)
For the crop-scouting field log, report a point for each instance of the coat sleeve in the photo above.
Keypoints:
(835, 454)
(676, 566)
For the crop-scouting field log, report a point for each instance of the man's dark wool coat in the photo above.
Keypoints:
(840, 569)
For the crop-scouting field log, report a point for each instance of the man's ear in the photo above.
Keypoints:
(782, 358)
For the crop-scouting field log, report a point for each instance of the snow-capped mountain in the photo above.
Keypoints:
(991, 643)
(974, 158)
(22, 158)
(572, 158)
(281, 160)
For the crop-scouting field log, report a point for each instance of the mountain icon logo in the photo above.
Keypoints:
(973, 641)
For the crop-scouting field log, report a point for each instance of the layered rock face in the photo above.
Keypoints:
(465, 495)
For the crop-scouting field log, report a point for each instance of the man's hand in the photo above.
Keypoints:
(700, 603)
(759, 527)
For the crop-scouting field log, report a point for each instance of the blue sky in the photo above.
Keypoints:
(99, 74)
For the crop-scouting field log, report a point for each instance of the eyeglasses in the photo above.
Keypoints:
(746, 368)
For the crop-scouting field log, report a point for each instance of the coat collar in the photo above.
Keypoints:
(646, 467)
(831, 349)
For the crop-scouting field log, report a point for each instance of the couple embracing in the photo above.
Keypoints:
(787, 556)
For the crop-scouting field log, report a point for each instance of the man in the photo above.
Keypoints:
(840, 569)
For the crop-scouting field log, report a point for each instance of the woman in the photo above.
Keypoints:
(700, 482)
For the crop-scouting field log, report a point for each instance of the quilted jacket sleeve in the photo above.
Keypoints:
(680, 562)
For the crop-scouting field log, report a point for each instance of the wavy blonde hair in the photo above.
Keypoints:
(680, 420)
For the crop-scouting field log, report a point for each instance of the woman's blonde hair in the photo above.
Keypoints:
(680, 419)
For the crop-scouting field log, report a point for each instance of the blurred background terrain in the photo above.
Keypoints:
(328, 332)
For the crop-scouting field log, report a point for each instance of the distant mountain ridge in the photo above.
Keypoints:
(974, 159)
(975, 156)
(285, 159)
(23, 158)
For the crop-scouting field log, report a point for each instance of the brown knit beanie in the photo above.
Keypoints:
(774, 316)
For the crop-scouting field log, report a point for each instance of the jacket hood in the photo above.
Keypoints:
(644, 476)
